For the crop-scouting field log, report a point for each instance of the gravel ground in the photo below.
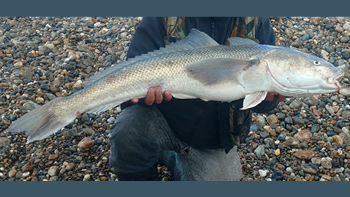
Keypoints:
(43, 58)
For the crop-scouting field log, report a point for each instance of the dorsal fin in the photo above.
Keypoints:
(195, 39)
(240, 41)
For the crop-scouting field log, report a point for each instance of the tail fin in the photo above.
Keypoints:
(41, 122)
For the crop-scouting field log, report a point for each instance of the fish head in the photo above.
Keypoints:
(295, 73)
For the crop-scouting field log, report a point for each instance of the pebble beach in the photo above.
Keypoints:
(41, 58)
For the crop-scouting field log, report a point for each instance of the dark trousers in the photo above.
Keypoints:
(141, 139)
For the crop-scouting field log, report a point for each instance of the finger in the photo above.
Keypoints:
(158, 95)
(167, 96)
(135, 100)
(149, 99)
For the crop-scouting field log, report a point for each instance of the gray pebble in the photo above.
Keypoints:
(298, 120)
(310, 168)
(296, 104)
(111, 120)
(260, 151)
(288, 120)
(329, 48)
(344, 39)
(315, 128)
(30, 105)
(345, 91)
(53, 170)
(264, 134)
(310, 32)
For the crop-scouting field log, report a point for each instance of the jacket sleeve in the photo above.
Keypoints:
(265, 35)
(148, 37)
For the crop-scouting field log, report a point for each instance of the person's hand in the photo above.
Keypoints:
(154, 95)
(271, 96)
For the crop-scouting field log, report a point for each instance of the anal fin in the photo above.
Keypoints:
(103, 108)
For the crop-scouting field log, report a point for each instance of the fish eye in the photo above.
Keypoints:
(316, 62)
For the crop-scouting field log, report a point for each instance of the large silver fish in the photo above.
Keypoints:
(196, 67)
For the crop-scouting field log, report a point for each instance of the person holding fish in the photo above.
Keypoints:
(195, 139)
(200, 84)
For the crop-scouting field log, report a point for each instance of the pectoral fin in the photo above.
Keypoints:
(213, 71)
(252, 100)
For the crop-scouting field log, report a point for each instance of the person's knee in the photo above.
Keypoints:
(131, 126)
(131, 135)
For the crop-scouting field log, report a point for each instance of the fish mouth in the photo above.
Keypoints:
(334, 79)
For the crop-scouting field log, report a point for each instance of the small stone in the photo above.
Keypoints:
(346, 26)
(298, 121)
(289, 32)
(111, 120)
(12, 173)
(297, 43)
(264, 134)
(89, 131)
(259, 151)
(27, 167)
(303, 135)
(324, 54)
(310, 32)
(345, 55)
(335, 108)
(70, 166)
(337, 140)
(312, 101)
(78, 84)
(261, 119)
(18, 64)
(281, 116)
(339, 28)
(304, 154)
(326, 163)
(270, 131)
(316, 160)
(86, 143)
(103, 178)
(345, 91)
(346, 115)
(330, 109)
(56, 42)
(50, 46)
(278, 176)
(329, 48)
(39, 100)
(315, 20)
(315, 128)
(53, 157)
(288, 120)
(296, 104)
(123, 34)
(272, 119)
(344, 39)
(262, 173)
(4, 142)
(53, 170)
(345, 135)
(316, 112)
(86, 177)
(277, 152)
(310, 168)
(326, 177)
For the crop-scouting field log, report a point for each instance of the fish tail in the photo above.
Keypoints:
(42, 121)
